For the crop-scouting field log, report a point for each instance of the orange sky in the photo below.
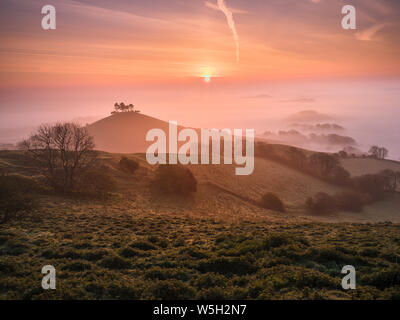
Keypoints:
(128, 42)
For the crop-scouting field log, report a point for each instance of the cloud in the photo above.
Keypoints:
(259, 96)
(231, 23)
(211, 5)
(300, 100)
(368, 34)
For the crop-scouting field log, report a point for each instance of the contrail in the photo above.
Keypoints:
(231, 23)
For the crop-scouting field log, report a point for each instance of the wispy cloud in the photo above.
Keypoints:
(370, 33)
(299, 100)
(259, 96)
(212, 5)
(231, 23)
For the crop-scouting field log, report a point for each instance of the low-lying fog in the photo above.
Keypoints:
(368, 111)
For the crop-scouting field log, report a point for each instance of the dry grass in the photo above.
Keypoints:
(215, 244)
(358, 166)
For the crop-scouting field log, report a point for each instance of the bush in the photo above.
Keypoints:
(129, 252)
(78, 266)
(143, 245)
(171, 290)
(277, 240)
(95, 182)
(228, 265)
(115, 262)
(123, 292)
(384, 279)
(272, 202)
(322, 203)
(15, 197)
(129, 165)
(174, 179)
(372, 184)
(350, 201)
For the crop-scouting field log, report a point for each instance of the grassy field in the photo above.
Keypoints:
(215, 244)
(358, 167)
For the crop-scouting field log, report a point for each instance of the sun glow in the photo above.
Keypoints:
(207, 78)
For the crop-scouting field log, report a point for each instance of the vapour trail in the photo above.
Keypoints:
(231, 23)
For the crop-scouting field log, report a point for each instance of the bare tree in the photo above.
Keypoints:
(378, 152)
(61, 151)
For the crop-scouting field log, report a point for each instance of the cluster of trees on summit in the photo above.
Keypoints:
(122, 107)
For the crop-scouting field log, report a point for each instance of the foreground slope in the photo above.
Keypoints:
(214, 245)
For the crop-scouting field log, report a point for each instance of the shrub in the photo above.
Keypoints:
(95, 254)
(15, 197)
(124, 292)
(143, 245)
(384, 279)
(78, 266)
(214, 293)
(322, 203)
(277, 240)
(350, 201)
(128, 252)
(272, 202)
(158, 273)
(129, 165)
(95, 182)
(209, 280)
(7, 267)
(174, 179)
(228, 265)
(171, 290)
(372, 184)
(115, 262)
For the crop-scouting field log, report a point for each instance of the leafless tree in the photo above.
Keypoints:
(378, 152)
(61, 151)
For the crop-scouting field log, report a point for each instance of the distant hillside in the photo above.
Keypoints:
(125, 132)
(309, 116)
(359, 166)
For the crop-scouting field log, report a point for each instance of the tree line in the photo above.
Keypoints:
(327, 167)
(122, 107)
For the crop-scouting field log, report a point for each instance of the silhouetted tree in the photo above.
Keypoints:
(392, 178)
(373, 184)
(323, 164)
(122, 107)
(378, 152)
(61, 151)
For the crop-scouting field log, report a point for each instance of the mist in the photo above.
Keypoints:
(368, 110)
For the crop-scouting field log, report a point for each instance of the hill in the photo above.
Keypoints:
(215, 244)
(125, 132)
(360, 166)
(223, 195)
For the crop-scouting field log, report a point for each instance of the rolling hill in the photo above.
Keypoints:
(125, 132)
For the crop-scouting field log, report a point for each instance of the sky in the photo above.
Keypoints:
(135, 41)
(272, 58)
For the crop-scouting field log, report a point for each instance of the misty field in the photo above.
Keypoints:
(100, 251)
(215, 244)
